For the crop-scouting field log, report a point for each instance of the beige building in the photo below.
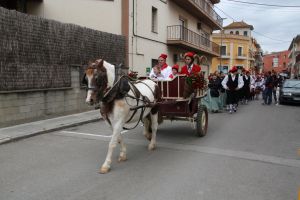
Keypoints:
(151, 27)
(238, 48)
(294, 56)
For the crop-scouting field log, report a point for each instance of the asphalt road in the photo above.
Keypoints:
(252, 154)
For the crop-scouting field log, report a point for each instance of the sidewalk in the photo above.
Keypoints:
(13, 133)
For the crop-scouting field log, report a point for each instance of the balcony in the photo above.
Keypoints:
(225, 56)
(187, 39)
(202, 10)
(241, 56)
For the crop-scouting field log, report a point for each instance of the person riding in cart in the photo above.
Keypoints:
(165, 69)
(175, 70)
(190, 68)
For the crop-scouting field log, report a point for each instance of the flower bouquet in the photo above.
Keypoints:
(133, 75)
(193, 83)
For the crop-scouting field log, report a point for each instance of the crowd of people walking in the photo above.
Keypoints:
(239, 86)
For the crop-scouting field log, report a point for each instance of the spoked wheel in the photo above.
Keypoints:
(201, 121)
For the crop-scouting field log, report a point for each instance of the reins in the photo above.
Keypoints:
(136, 96)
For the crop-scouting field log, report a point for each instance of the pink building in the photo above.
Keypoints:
(277, 61)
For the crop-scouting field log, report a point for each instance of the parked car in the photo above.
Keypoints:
(290, 91)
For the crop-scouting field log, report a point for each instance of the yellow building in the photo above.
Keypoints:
(238, 48)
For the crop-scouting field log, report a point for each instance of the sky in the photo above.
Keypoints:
(274, 27)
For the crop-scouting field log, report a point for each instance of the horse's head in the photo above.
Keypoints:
(95, 78)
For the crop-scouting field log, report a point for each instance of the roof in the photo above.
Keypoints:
(295, 39)
(241, 24)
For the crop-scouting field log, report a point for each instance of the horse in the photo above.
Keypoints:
(122, 101)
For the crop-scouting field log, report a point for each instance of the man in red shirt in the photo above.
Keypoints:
(189, 67)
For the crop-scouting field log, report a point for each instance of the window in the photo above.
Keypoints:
(154, 62)
(245, 33)
(154, 20)
(223, 69)
(231, 32)
(275, 62)
(237, 32)
(223, 50)
(184, 31)
(284, 65)
(240, 51)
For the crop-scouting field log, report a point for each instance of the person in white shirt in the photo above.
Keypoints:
(232, 83)
(156, 75)
(165, 69)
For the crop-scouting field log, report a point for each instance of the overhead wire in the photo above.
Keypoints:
(252, 30)
(263, 4)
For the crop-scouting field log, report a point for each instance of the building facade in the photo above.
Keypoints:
(238, 48)
(151, 27)
(294, 56)
(277, 61)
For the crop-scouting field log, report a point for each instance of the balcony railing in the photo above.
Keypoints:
(209, 10)
(181, 34)
(225, 55)
(203, 10)
(241, 56)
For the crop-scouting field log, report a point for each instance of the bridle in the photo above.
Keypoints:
(98, 80)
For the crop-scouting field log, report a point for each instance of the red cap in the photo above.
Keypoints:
(175, 67)
(189, 54)
(234, 69)
(164, 56)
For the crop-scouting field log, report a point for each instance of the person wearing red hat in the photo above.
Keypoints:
(232, 83)
(165, 69)
(190, 68)
(175, 70)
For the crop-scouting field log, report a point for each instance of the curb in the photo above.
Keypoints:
(7, 139)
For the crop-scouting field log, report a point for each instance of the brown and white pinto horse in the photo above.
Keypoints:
(122, 102)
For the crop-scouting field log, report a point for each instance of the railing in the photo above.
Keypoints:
(225, 54)
(209, 10)
(181, 33)
(241, 55)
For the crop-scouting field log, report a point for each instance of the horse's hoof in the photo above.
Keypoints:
(122, 158)
(151, 147)
(104, 170)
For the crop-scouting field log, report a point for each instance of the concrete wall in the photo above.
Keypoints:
(20, 107)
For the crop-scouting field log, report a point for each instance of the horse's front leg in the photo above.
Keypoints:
(123, 150)
(112, 144)
(154, 125)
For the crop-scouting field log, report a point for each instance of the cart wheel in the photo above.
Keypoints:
(201, 121)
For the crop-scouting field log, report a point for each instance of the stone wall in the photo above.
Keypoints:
(37, 74)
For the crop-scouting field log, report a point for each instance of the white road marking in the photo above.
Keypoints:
(89, 134)
(189, 147)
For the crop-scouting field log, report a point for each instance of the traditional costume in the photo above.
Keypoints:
(176, 67)
(192, 68)
(165, 69)
(232, 83)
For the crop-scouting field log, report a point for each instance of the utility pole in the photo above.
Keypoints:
(221, 32)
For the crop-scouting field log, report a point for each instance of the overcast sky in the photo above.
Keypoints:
(279, 25)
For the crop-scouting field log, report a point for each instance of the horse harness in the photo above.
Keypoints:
(122, 92)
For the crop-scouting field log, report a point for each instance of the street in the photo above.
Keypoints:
(250, 155)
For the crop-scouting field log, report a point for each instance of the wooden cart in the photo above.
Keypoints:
(174, 106)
